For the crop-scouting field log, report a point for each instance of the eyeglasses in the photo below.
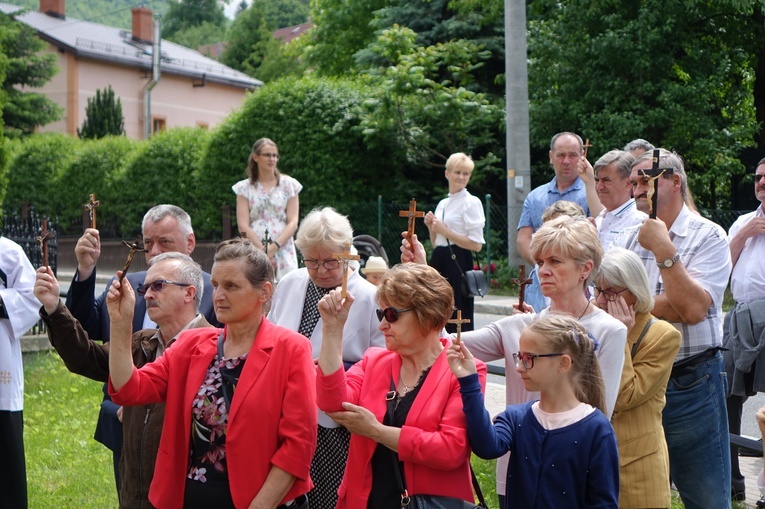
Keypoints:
(327, 264)
(610, 295)
(157, 286)
(528, 358)
(270, 156)
(390, 314)
(757, 178)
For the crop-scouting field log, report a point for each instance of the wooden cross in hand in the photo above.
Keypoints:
(522, 281)
(412, 213)
(135, 247)
(346, 258)
(459, 321)
(42, 241)
(91, 208)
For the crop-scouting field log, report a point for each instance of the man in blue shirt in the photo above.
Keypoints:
(565, 152)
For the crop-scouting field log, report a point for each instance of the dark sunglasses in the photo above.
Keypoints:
(390, 314)
(157, 286)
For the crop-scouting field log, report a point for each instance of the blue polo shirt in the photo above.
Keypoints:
(547, 194)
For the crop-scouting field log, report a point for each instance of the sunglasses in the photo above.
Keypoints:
(390, 314)
(527, 359)
(157, 286)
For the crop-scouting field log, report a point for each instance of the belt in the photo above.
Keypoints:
(690, 364)
(295, 503)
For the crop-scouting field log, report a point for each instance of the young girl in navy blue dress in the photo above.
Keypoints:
(563, 449)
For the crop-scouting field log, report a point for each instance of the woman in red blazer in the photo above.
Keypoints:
(240, 416)
(427, 431)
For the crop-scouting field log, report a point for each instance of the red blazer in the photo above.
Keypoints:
(433, 444)
(272, 420)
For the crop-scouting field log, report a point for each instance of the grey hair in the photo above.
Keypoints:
(324, 228)
(566, 133)
(638, 143)
(622, 267)
(762, 161)
(671, 160)
(622, 161)
(189, 272)
(562, 208)
(159, 212)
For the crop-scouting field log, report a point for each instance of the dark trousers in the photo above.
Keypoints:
(441, 260)
(13, 470)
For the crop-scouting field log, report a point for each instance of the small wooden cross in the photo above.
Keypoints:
(586, 146)
(412, 213)
(135, 247)
(91, 208)
(266, 240)
(522, 281)
(652, 176)
(42, 241)
(346, 258)
(459, 321)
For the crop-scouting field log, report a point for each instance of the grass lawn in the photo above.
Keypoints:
(66, 468)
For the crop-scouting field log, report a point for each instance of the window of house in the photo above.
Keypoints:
(158, 124)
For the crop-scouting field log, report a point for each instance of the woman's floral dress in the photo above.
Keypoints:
(268, 210)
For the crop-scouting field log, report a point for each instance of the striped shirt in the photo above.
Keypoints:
(610, 224)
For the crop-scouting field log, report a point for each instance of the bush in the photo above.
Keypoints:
(315, 124)
(161, 172)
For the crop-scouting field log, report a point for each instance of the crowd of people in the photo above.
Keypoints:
(265, 385)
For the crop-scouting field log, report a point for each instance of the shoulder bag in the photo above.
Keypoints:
(474, 282)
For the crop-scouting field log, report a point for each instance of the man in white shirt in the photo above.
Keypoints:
(744, 334)
(688, 263)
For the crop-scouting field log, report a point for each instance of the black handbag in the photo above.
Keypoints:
(474, 282)
(420, 501)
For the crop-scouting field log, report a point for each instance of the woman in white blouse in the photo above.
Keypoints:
(456, 229)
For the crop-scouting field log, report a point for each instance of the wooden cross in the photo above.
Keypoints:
(651, 176)
(586, 146)
(42, 241)
(91, 208)
(266, 240)
(459, 321)
(346, 258)
(135, 247)
(412, 213)
(522, 281)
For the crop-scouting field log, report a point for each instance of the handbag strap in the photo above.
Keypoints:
(642, 335)
(390, 399)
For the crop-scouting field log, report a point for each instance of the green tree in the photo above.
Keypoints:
(103, 116)
(284, 13)
(184, 14)
(28, 66)
(198, 35)
(250, 41)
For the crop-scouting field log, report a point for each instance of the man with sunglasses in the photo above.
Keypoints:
(166, 228)
(172, 291)
(742, 333)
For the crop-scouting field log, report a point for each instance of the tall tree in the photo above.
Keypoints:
(185, 14)
(250, 40)
(103, 116)
(28, 66)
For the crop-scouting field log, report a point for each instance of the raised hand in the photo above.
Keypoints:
(87, 250)
(461, 361)
(120, 301)
(410, 256)
(334, 310)
(46, 289)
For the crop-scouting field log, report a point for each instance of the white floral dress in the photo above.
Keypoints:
(268, 210)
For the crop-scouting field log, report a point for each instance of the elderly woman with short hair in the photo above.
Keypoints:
(424, 426)
(621, 288)
(323, 233)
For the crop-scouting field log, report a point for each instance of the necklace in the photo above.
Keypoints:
(409, 388)
(584, 310)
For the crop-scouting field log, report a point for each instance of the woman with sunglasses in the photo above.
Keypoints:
(621, 289)
(323, 233)
(267, 206)
(568, 254)
(240, 409)
(426, 431)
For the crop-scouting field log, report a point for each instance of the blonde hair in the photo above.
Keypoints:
(562, 208)
(459, 160)
(563, 333)
(573, 237)
(422, 288)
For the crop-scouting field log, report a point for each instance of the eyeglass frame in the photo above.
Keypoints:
(758, 177)
(606, 293)
(518, 358)
(270, 156)
(145, 287)
(324, 263)
(382, 313)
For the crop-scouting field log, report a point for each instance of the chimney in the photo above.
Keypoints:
(55, 8)
(143, 24)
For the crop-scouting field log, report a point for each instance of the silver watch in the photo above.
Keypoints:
(669, 262)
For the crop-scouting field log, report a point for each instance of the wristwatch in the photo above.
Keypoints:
(669, 262)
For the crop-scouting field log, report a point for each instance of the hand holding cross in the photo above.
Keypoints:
(42, 241)
(412, 213)
(346, 258)
(135, 247)
(522, 281)
(459, 321)
(586, 146)
(266, 240)
(91, 208)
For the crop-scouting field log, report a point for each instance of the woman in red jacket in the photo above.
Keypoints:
(240, 416)
(427, 429)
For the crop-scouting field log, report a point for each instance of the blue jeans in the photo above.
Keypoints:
(696, 427)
